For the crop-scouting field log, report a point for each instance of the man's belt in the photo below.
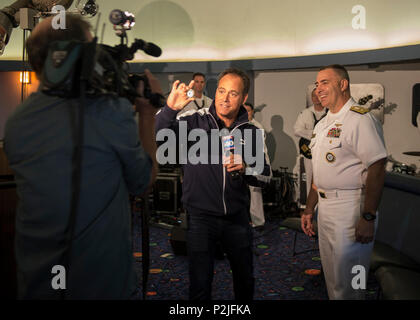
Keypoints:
(338, 193)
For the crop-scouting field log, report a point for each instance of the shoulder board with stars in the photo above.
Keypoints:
(359, 109)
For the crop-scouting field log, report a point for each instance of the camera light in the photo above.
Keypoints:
(124, 19)
(130, 22)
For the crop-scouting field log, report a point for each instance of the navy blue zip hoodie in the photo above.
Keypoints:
(209, 187)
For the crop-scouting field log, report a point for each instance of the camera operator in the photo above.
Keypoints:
(39, 146)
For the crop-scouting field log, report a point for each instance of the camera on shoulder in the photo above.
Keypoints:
(101, 68)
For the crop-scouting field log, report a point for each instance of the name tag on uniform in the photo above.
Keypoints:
(334, 133)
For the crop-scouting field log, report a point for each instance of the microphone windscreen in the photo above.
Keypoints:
(152, 50)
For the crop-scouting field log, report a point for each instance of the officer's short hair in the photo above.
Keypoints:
(339, 69)
(239, 73)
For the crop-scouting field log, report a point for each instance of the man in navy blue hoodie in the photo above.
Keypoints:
(216, 190)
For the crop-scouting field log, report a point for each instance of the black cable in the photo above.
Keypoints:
(86, 68)
(78, 136)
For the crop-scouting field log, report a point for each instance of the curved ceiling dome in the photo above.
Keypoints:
(188, 30)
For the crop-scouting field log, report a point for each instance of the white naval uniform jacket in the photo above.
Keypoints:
(304, 124)
(256, 208)
(343, 146)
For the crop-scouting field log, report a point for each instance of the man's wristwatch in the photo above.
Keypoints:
(368, 216)
(307, 212)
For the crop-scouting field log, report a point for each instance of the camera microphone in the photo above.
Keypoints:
(148, 47)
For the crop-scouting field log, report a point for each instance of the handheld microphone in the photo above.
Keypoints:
(228, 149)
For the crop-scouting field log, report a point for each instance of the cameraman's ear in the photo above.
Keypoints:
(153, 82)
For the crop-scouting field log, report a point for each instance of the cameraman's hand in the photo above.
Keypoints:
(178, 98)
(2, 39)
(143, 105)
(153, 82)
(146, 123)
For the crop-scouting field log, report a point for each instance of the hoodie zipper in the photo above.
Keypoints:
(225, 171)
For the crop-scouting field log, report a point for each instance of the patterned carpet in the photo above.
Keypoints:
(278, 275)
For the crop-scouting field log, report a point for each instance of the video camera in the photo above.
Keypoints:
(103, 68)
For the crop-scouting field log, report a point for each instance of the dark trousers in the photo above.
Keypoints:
(235, 235)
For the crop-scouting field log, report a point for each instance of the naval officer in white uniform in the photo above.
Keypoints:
(303, 128)
(348, 158)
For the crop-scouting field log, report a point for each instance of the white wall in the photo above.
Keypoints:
(284, 94)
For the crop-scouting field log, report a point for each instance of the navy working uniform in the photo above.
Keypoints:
(217, 206)
(344, 145)
(39, 147)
